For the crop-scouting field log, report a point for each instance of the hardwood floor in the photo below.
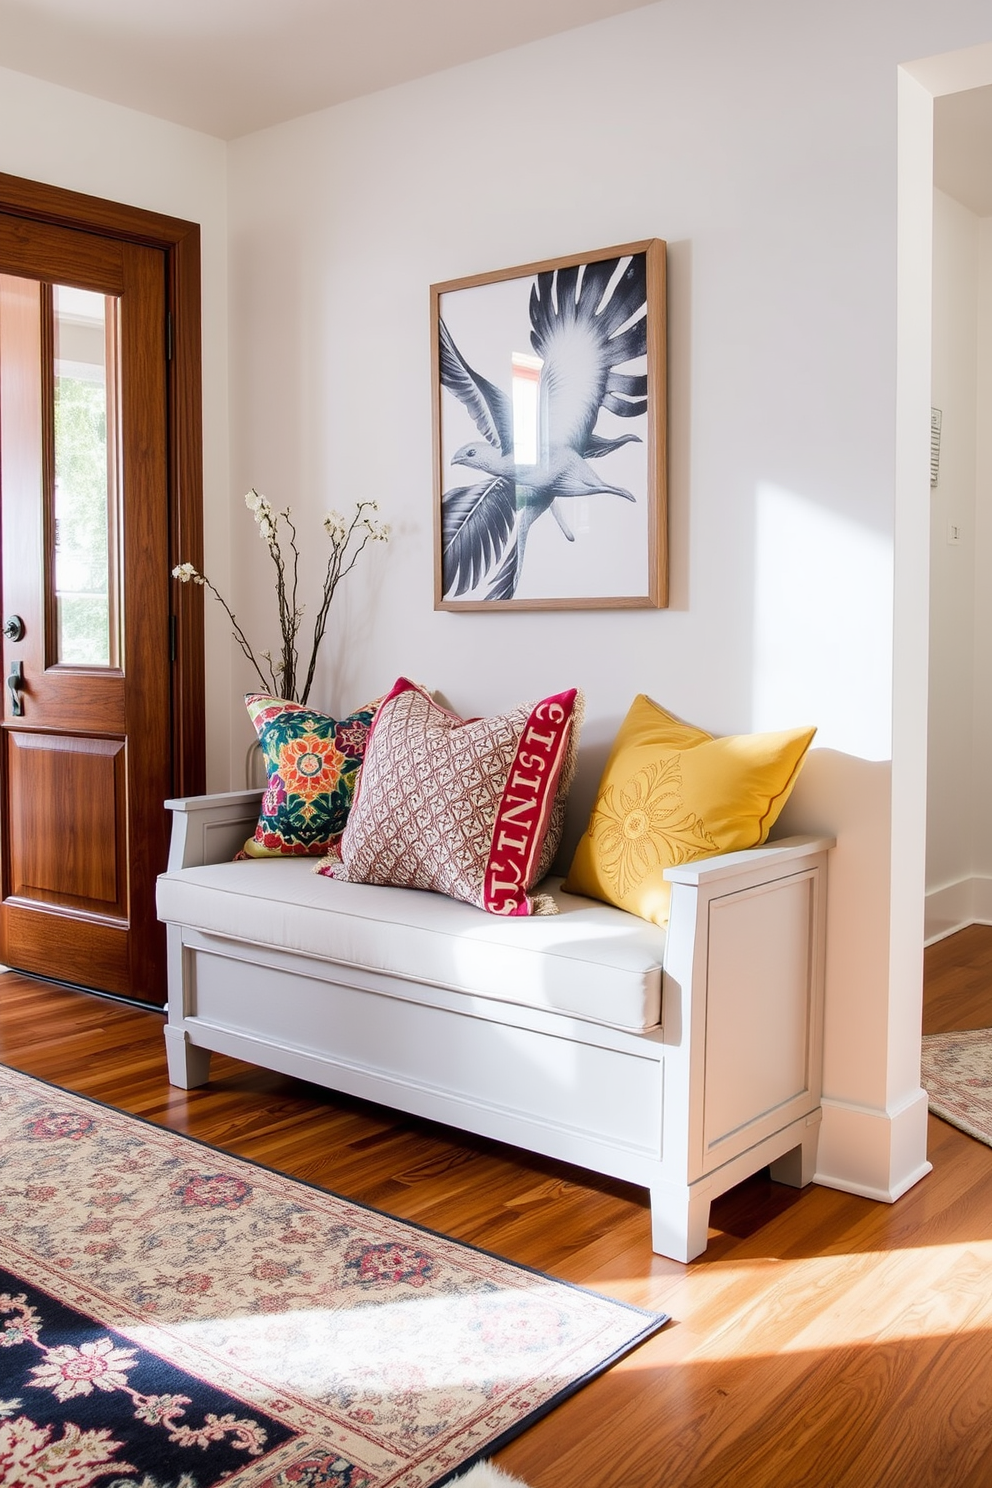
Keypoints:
(822, 1340)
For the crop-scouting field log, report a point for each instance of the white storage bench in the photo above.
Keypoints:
(682, 1062)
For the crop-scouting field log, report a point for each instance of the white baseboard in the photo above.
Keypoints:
(951, 908)
(876, 1154)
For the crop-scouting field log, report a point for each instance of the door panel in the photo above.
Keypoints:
(88, 953)
(85, 745)
(55, 779)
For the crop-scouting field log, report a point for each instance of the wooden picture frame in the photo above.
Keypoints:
(550, 439)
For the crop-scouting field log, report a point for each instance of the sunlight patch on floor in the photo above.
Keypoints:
(771, 1305)
(433, 1343)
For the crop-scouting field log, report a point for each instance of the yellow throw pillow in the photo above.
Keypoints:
(671, 793)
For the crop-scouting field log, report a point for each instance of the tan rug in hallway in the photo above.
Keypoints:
(957, 1076)
(173, 1317)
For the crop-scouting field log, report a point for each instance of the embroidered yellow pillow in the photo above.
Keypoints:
(671, 793)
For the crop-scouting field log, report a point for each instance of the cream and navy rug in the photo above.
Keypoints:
(957, 1076)
(171, 1315)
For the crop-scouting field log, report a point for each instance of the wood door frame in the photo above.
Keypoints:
(180, 242)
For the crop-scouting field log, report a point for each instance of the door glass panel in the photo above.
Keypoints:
(85, 348)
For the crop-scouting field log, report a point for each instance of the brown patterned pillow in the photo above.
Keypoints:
(472, 808)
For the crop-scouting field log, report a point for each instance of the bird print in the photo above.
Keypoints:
(586, 321)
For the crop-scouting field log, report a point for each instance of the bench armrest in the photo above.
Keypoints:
(775, 857)
(211, 829)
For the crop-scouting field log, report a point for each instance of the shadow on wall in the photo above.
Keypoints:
(836, 794)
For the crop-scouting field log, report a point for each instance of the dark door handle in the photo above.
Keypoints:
(15, 681)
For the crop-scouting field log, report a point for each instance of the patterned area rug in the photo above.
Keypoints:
(957, 1076)
(173, 1317)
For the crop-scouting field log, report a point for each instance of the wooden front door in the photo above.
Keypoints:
(86, 737)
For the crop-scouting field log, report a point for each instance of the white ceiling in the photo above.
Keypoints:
(962, 148)
(228, 67)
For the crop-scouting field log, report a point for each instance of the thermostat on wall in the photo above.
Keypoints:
(934, 445)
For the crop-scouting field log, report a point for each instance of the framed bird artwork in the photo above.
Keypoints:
(550, 456)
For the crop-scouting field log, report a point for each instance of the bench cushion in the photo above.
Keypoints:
(590, 960)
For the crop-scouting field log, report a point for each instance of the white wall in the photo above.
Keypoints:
(67, 139)
(982, 817)
(959, 786)
(951, 778)
(760, 141)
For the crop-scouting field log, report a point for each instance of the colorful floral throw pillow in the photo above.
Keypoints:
(311, 763)
(472, 808)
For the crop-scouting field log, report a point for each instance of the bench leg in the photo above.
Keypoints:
(189, 1065)
(680, 1221)
(796, 1168)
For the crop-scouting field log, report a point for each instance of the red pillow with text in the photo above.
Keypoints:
(472, 808)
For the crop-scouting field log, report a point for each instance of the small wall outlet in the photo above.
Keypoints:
(955, 533)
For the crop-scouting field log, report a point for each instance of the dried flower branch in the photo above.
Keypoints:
(347, 539)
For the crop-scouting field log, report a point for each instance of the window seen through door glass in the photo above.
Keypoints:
(85, 476)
